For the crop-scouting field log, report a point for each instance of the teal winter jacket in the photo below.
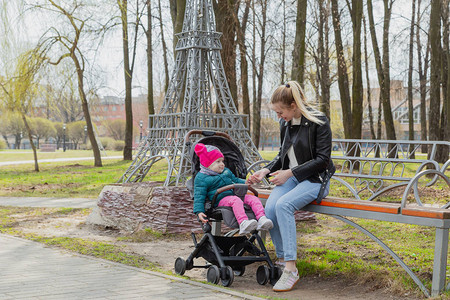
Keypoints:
(205, 186)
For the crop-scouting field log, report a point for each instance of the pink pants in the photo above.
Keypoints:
(238, 206)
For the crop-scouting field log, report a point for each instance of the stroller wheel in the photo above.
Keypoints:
(239, 271)
(229, 276)
(213, 274)
(262, 274)
(275, 275)
(180, 266)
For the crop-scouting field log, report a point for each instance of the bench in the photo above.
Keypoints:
(47, 147)
(375, 175)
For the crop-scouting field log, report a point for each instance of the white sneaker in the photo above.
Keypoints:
(286, 281)
(247, 226)
(264, 224)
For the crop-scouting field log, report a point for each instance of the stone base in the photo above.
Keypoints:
(136, 206)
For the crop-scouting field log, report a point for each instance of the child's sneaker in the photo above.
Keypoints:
(286, 282)
(264, 224)
(247, 226)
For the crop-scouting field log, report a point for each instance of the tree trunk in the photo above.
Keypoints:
(298, 54)
(128, 148)
(369, 93)
(443, 152)
(164, 46)
(178, 24)
(240, 32)
(260, 75)
(283, 45)
(30, 138)
(357, 88)
(225, 11)
(435, 44)
(150, 102)
(422, 82)
(343, 81)
(324, 59)
(410, 81)
(382, 65)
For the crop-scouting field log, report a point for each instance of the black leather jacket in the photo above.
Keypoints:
(312, 148)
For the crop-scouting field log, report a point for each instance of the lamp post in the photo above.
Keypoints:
(141, 123)
(85, 134)
(64, 137)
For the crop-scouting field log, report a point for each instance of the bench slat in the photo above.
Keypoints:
(390, 208)
(426, 212)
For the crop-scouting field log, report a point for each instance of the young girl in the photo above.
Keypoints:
(212, 176)
(301, 172)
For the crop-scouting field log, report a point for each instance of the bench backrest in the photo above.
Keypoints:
(380, 165)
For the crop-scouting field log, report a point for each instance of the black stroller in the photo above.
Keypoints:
(225, 254)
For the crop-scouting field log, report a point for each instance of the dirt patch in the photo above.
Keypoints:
(163, 250)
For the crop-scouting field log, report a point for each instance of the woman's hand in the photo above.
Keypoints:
(257, 176)
(202, 217)
(280, 177)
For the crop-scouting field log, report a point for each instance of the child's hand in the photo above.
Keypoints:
(202, 217)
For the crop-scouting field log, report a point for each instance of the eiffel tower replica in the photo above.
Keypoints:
(198, 85)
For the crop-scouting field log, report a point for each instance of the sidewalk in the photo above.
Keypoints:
(6, 163)
(30, 270)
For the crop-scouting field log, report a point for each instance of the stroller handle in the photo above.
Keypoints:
(232, 187)
(205, 133)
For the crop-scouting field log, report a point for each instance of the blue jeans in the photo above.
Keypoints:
(283, 201)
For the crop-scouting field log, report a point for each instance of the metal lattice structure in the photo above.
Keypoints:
(198, 97)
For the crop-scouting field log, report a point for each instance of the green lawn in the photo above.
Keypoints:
(18, 155)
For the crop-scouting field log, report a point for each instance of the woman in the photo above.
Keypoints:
(301, 172)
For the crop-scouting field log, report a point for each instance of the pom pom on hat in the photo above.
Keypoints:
(207, 154)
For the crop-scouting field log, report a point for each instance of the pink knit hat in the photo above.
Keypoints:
(207, 154)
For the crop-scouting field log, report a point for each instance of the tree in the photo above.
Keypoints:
(75, 132)
(435, 64)
(240, 33)
(410, 79)
(262, 22)
(115, 128)
(343, 81)
(19, 90)
(422, 72)
(298, 54)
(177, 8)
(225, 10)
(148, 32)
(42, 128)
(128, 67)
(70, 45)
(382, 64)
(164, 47)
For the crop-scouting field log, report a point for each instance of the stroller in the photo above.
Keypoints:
(225, 254)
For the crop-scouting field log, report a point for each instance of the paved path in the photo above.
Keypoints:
(6, 163)
(30, 270)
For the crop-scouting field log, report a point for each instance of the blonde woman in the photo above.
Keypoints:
(301, 172)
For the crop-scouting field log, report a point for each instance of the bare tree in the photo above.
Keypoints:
(382, 64)
(343, 81)
(148, 32)
(298, 54)
(422, 71)
(262, 23)
(164, 47)
(128, 66)
(71, 46)
(225, 11)
(435, 44)
(410, 79)
(241, 27)
(369, 92)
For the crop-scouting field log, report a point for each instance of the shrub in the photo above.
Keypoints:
(118, 145)
(2, 144)
(107, 142)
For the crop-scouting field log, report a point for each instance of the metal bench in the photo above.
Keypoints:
(377, 175)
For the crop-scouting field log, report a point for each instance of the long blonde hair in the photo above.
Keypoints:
(292, 92)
